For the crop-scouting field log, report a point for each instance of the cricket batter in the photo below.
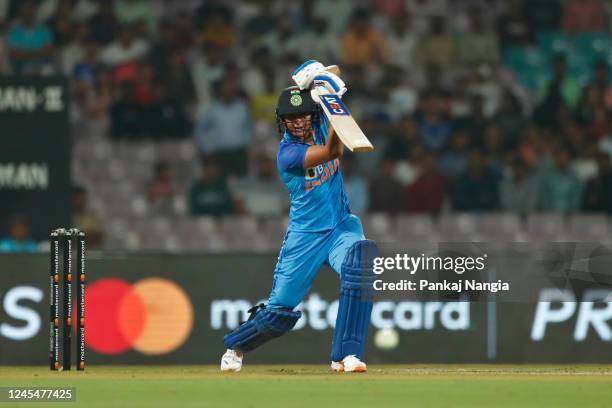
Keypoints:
(321, 230)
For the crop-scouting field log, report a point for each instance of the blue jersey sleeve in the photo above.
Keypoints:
(291, 156)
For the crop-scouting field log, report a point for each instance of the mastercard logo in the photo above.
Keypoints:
(153, 316)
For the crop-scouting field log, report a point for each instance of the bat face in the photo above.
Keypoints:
(343, 123)
(334, 105)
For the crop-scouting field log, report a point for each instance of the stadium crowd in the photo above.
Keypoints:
(432, 82)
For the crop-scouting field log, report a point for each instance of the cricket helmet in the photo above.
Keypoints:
(293, 101)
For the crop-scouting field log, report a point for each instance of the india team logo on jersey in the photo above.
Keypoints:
(315, 176)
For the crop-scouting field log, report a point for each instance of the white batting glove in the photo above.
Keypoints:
(330, 82)
(318, 90)
(305, 73)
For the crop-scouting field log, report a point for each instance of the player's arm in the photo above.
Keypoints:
(319, 154)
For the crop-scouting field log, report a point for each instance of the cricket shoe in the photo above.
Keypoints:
(231, 361)
(349, 364)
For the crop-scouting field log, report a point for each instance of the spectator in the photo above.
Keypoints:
(599, 126)
(362, 44)
(583, 15)
(390, 8)
(437, 49)
(402, 42)
(486, 85)
(19, 239)
(127, 115)
(166, 44)
(492, 149)
(561, 90)
(601, 81)
(75, 49)
(475, 123)
(61, 23)
(168, 118)
(177, 78)
(341, 10)
(125, 51)
(210, 194)
(322, 43)
(585, 163)
(532, 147)
(264, 102)
(30, 44)
(574, 138)
(561, 187)
(86, 219)
(459, 104)
(88, 67)
(426, 194)
(591, 99)
(477, 188)
(514, 26)
(85, 9)
(520, 189)
(403, 139)
(260, 68)
(510, 119)
(285, 39)
(356, 187)
(385, 191)
(217, 29)
(137, 12)
(144, 85)
(262, 194)
(401, 98)
(104, 24)
(407, 168)
(160, 189)
(225, 129)
(207, 68)
(478, 45)
(93, 90)
(598, 191)
(423, 11)
(453, 162)
(434, 127)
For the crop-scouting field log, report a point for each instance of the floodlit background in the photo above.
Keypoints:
(491, 108)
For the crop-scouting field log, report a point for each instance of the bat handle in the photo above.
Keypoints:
(334, 69)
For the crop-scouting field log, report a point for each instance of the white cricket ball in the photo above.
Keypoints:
(386, 339)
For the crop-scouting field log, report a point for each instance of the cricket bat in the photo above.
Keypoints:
(341, 119)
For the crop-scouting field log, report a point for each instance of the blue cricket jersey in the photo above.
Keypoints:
(318, 198)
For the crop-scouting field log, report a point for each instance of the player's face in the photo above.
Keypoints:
(299, 125)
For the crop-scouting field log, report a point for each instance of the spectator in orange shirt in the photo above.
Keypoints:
(583, 15)
(362, 44)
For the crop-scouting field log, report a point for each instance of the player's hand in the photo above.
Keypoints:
(330, 82)
(305, 73)
(327, 83)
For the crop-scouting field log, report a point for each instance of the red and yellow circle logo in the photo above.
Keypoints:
(152, 315)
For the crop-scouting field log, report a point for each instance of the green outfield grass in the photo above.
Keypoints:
(316, 387)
